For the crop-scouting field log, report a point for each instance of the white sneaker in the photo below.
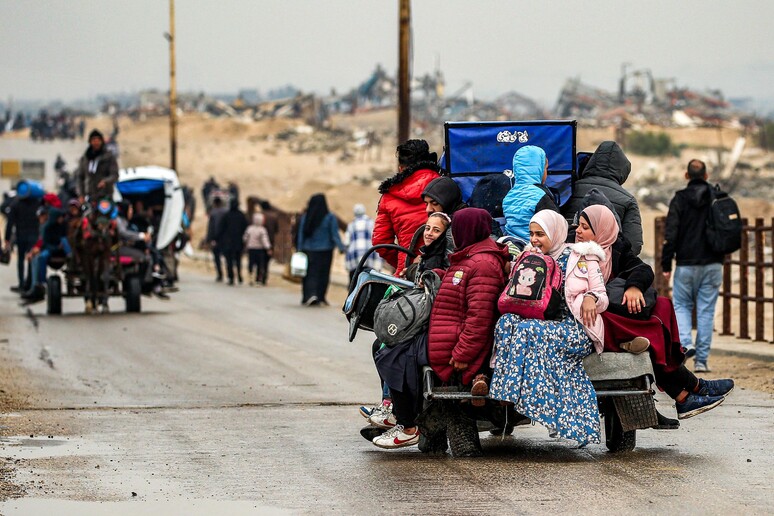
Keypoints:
(382, 417)
(396, 438)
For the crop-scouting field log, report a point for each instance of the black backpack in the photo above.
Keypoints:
(488, 194)
(724, 223)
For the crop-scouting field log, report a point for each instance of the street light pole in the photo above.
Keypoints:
(404, 93)
(172, 89)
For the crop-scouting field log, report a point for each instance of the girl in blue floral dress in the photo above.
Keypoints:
(537, 364)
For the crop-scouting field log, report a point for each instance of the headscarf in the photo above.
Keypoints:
(555, 228)
(605, 228)
(470, 226)
(316, 211)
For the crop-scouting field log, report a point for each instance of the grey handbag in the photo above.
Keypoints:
(405, 313)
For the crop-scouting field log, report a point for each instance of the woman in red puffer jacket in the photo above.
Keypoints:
(401, 208)
(465, 310)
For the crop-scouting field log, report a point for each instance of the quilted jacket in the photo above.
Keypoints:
(465, 310)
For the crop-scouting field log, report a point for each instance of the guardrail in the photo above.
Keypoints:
(746, 270)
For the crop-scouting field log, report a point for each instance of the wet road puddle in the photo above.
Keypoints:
(26, 506)
(26, 447)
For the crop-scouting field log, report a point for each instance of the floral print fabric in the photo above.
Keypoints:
(538, 366)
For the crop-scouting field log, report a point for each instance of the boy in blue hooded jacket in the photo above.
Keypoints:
(528, 194)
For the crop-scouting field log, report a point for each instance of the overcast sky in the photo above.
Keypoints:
(79, 48)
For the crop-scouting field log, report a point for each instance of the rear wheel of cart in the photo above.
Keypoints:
(54, 295)
(616, 439)
(463, 436)
(133, 293)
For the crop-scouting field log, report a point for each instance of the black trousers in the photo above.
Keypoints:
(258, 261)
(676, 381)
(23, 246)
(318, 275)
(405, 406)
(233, 260)
(217, 258)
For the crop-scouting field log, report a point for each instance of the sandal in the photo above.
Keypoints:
(480, 388)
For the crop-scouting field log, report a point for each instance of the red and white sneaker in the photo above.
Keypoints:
(382, 417)
(396, 438)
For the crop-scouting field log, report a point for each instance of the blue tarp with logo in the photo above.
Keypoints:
(475, 149)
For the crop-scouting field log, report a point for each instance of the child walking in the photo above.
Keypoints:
(258, 245)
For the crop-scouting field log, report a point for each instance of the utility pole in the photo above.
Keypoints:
(404, 93)
(172, 89)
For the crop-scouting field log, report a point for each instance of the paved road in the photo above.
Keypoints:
(236, 399)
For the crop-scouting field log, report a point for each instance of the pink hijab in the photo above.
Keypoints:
(555, 228)
(605, 228)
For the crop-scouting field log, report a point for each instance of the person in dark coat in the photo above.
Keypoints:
(318, 236)
(22, 229)
(97, 171)
(692, 395)
(699, 271)
(229, 238)
(607, 170)
(213, 226)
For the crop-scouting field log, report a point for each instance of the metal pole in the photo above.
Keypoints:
(404, 94)
(172, 89)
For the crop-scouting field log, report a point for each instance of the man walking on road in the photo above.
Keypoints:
(97, 170)
(699, 269)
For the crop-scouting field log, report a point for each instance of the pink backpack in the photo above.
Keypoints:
(533, 288)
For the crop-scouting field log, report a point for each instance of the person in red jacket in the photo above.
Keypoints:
(401, 208)
(464, 312)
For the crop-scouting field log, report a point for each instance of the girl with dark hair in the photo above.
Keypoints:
(318, 235)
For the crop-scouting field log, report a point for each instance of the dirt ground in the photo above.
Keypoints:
(268, 160)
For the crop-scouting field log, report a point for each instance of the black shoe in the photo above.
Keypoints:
(231, 282)
(219, 279)
(370, 431)
(161, 294)
(16, 288)
(37, 293)
(666, 423)
(689, 352)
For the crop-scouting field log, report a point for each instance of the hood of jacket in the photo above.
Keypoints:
(589, 249)
(397, 184)
(608, 161)
(529, 163)
(445, 191)
(469, 226)
(697, 193)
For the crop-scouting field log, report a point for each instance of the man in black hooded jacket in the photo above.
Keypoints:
(699, 269)
(607, 169)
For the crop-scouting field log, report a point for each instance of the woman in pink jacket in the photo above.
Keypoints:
(538, 364)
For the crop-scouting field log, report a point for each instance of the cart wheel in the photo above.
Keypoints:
(616, 439)
(54, 295)
(463, 436)
(132, 292)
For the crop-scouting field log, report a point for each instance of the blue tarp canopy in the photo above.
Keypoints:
(476, 149)
(139, 186)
